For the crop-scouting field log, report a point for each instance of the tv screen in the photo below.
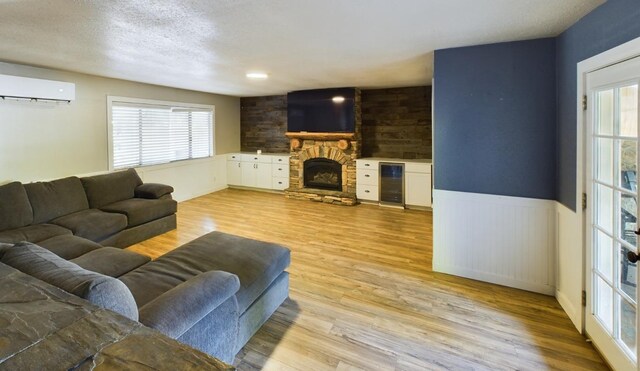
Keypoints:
(323, 110)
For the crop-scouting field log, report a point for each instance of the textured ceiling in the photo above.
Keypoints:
(209, 45)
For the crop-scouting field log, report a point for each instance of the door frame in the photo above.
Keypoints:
(607, 58)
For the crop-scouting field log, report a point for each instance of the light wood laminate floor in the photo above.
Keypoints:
(363, 295)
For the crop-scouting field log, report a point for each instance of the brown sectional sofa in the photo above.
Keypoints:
(114, 209)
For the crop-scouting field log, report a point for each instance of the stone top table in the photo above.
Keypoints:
(43, 327)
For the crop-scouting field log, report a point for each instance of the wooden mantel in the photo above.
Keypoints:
(319, 136)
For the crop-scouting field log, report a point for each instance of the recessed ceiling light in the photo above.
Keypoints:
(337, 99)
(257, 75)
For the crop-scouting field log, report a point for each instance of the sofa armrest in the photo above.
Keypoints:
(153, 190)
(179, 309)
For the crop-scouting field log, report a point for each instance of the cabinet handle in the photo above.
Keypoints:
(238, 164)
(366, 191)
(279, 182)
(367, 165)
(366, 175)
(280, 168)
(255, 158)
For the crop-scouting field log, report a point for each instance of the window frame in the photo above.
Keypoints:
(128, 100)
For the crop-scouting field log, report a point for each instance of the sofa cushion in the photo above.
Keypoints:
(256, 263)
(111, 261)
(57, 198)
(103, 291)
(106, 189)
(140, 210)
(69, 246)
(93, 224)
(15, 209)
(153, 190)
(33, 233)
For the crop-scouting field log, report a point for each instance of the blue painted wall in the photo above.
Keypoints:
(613, 23)
(495, 119)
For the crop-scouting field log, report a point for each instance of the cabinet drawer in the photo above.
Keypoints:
(367, 164)
(280, 159)
(234, 157)
(280, 170)
(367, 192)
(416, 167)
(265, 159)
(280, 183)
(367, 177)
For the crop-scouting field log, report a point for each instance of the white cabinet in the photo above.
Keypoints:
(258, 171)
(280, 173)
(417, 180)
(367, 180)
(417, 184)
(234, 170)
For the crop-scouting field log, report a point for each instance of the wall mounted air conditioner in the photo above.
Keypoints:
(36, 89)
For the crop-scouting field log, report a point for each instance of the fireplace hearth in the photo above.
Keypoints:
(322, 173)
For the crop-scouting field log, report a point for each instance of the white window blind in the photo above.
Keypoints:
(149, 134)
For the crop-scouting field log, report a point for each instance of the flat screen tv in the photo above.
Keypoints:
(321, 110)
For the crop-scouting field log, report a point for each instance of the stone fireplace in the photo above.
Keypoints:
(322, 167)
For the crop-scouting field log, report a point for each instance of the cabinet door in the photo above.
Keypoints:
(249, 178)
(264, 177)
(234, 173)
(417, 189)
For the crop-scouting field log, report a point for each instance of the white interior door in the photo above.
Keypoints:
(612, 161)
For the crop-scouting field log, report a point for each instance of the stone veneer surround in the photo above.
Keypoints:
(329, 149)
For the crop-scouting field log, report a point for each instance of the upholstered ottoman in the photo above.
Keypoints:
(264, 285)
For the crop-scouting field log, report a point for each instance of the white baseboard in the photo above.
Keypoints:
(504, 240)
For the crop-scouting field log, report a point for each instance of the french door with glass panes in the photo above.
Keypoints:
(612, 227)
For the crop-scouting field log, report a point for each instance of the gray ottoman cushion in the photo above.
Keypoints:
(101, 290)
(140, 210)
(256, 263)
(51, 200)
(106, 189)
(93, 224)
(111, 261)
(15, 209)
(33, 233)
(69, 246)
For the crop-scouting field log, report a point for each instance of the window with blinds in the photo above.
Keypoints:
(146, 133)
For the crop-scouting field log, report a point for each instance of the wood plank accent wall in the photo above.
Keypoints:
(396, 123)
(263, 123)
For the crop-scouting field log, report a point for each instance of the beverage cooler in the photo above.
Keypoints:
(391, 184)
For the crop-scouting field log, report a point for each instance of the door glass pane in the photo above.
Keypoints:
(628, 217)
(628, 325)
(628, 274)
(628, 164)
(605, 208)
(604, 119)
(604, 303)
(629, 111)
(604, 257)
(604, 150)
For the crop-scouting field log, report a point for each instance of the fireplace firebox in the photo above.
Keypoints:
(322, 173)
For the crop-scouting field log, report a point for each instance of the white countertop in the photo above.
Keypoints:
(262, 154)
(412, 160)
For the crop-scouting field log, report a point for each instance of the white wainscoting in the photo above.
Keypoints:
(191, 178)
(504, 240)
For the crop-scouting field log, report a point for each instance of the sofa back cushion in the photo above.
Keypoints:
(103, 291)
(15, 209)
(106, 189)
(57, 198)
